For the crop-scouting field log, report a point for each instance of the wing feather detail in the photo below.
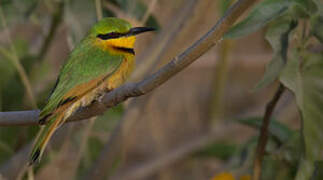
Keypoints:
(86, 67)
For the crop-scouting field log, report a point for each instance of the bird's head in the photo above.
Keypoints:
(116, 34)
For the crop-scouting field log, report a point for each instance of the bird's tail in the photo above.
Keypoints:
(44, 136)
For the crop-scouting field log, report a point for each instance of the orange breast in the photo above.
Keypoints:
(97, 85)
(122, 74)
(112, 82)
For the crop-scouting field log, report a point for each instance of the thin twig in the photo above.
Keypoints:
(220, 78)
(98, 8)
(262, 141)
(220, 82)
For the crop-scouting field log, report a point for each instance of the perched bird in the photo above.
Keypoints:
(101, 62)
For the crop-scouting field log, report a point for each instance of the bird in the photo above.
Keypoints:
(101, 62)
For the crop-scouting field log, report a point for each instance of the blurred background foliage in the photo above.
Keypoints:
(203, 123)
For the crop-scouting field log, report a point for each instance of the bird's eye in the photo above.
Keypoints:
(112, 35)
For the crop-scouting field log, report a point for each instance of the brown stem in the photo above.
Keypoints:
(262, 141)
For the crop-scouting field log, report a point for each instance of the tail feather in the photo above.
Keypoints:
(44, 137)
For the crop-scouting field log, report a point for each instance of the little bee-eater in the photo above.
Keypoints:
(100, 63)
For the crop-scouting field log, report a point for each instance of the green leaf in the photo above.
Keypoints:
(278, 36)
(306, 4)
(274, 168)
(303, 75)
(263, 13)
(303, 9)
(317, 21)
(290, 151)
(221, 150)
(278, 130)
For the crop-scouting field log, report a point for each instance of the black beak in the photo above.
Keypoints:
(138, 30)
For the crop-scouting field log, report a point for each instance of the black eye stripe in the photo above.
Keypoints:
(132, 32)
(111, 35)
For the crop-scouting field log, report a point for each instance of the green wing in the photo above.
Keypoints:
(85, 63)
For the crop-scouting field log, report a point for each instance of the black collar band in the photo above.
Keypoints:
(124, 49)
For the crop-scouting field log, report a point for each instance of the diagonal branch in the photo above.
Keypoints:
(111, 150)
(263, 138)
(155, 80)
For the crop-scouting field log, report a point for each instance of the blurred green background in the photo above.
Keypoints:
(202, 122)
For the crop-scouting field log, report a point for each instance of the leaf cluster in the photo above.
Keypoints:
(294, 30)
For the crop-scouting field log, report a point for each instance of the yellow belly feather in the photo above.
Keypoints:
(112, 82)
(89, 91)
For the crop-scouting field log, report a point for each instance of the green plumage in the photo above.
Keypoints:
(85, 63)
(102, 61)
